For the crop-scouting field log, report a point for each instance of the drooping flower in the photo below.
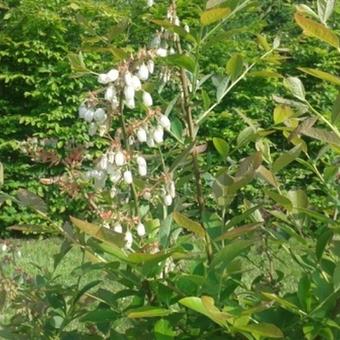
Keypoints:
(164, 121)
(113, 75)
(162, 52)
(141, 230)
(127, 177)
(143, 72)
(147, 99)
(89, 114)
(99, 115)
(118, 228)
(158, 134)
(141, 135)
(129, 92)
(151, 66)
(128, 239)
(119, 158)
(167, 200)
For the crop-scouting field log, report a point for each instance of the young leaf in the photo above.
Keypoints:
(323, 135)
(239, 231)
(267, 175)
(234, 66)
(148, 312)
(212, 15)
(221, 146)
(266, 330)
(321, 75)
(181, 60)
(280, 199)
(296, 87)
(282, 113)
(286, 158)
(163, 330)
(316, 30)
(31, 200)
(188, 224)
(322, 242)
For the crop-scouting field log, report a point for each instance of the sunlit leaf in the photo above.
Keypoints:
(296, 87)
(282, 113)
(280, 199)
(234, 66)
(188, 224)
(213, 15)
(321, 75)
(148, 312)
(263, 330)
(239, 231)
(325, 9)
(286, 158)
(323, 135)
(267, 175)
(316, 30)
(180, 60)
(221, 146)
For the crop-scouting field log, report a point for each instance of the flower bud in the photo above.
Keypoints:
(119, 158)
(128, 239)
(82, 111)
(164, 121)
(141, 135)
(158, 134)
(162, 52)
(127, 177)
(113, 75)
(99, 115)
(141, 161)
(151, 66)
(110, 93)
(141, 230)
(147, 99)
(135, 83)
(103, 79)
(92, 129)
(143, 72)
(147, 195)
(128, 78)
(142, 170)
(89, 114)
(117, 228)
(129, 92)
(167, 200)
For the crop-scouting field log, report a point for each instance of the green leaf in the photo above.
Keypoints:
(205, 306)
(287, 157)
(267, 330)
(77, 63)
(325, 9)
(322, 242)
(148, 312)
(103, 234)
(336, 277)
(267, 175)
(296, 87)
(323, 135)
(221, 146)
(213, 15)
(221, 88)
(139, 258)
(239, 231)
(235, 66)
(336, 110)
(282, 113)
(1, 174)
(321, 75)
(85, 289)
(316, 30)
(99, 315)
(282, 302)
(164, 231)
(299, 199)
(245, 136)
(229, 252)
(188, 224)
(31, 200)
(163, 330)
(282, 200)
(180, 60)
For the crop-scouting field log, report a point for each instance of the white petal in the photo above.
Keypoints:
(151, 66)
(135, 83)
(142, 170)
(129, 92)
(89, 114)
(141, 161)
(99, 115)
(119, 158)
(158, 135)
(164, 121)
(128, 240)
(128, 177)
(118, 228)
(147, 99)
(103, 79)
(162, 52)
(113, 75)
(141, 229)
(143, 72)
(141, 135)
(167, 200)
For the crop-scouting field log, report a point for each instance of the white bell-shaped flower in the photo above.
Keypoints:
(92, 129)
(136, 83)
(113, 75)
(172, 51)
(99, 115)
(150, 141)
(119, 158)
(103, 163)
(186, 28)
(147, 99)
(128, 78)
(167, 200)
(151, 66)
(141, 161)
(158, 135)
(172, 189)
(141, 230)
(117, 228)
(89, 114)
(82, 111)
(141, 135)
(103, 78)
(128, 239)
(129, 92)
(143, 72)
(114, 174)
(110, 93)
(131, 104)
(162, 52)
(164, 121)
(111, 157)
(128, 177)
(142, 170)
(150, 3)
(177, 22)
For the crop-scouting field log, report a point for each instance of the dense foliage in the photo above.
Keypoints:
(200, 178)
